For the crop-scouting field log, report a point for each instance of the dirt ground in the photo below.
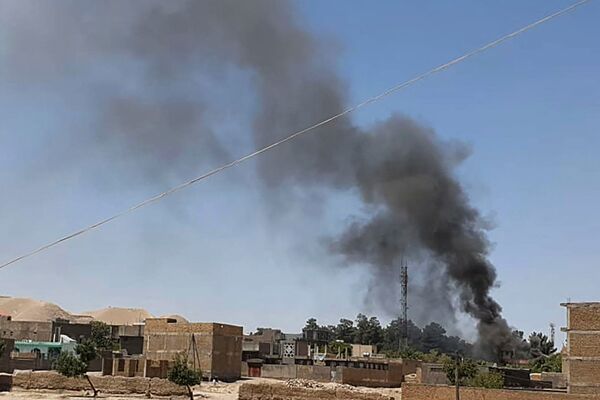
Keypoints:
(222, 391)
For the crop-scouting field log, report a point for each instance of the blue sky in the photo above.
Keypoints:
(529, 109)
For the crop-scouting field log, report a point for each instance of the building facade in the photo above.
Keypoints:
(217, 348)
(581, 360)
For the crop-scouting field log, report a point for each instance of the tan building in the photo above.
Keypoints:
(218, 347)
(363, 350)
(581, 362)
(25, 330)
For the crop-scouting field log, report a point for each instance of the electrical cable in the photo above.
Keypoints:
(286, 139)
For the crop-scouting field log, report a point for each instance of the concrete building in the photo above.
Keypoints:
(46, 350)
(274, 347)
(581, 360)
(25, 330)
(218, 346)
(363, 350)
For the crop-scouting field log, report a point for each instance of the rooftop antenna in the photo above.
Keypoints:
(403, 344)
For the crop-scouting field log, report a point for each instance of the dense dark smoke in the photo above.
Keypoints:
(403, 173)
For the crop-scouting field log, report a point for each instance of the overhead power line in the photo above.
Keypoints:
(294, 135)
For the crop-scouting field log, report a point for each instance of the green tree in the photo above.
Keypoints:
(433, 337)
(488, 380)
(73, 366)
(552, 363)
(467, 370)
(182, 375)
(345, 331)
(86, 351)
(362, 329)
(101, 336)
(393, 332)
(368, 330)
(311, 323)
(540, 345)
(340, 348)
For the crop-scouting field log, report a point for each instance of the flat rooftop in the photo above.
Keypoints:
(582, 304)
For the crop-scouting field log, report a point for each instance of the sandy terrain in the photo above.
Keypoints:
(24, 309)
(120, 316)
(223, 391)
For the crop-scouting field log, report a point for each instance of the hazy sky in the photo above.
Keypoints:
(530, 111)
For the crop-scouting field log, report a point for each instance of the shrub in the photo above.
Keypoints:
(488, 380)
(467, 370)
(73, 366)
(181, 374)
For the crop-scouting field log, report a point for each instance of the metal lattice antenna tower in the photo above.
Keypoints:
(404, 305)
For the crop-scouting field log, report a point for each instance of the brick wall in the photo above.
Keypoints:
(227, 352)
(584, 344)
(433, 392)
(582, 361)
(584, 317)
(219, 346)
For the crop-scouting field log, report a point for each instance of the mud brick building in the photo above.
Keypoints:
(218, 347)
(581, 363)
(25, 330)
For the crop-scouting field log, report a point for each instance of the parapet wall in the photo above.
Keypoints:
(433, 392)
(105, 384)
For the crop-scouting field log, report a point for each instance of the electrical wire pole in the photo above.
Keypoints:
(456, 375)
(403, 343)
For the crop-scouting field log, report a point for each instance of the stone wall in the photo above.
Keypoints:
(105, 384)
(437, 392)
(279, 391)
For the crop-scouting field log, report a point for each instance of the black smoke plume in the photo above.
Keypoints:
(403, 173)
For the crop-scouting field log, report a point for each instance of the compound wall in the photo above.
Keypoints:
(278, 391)
(434, 392)
(105, 384)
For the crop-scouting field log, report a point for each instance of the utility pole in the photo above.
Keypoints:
(403, 343)
(456, 375)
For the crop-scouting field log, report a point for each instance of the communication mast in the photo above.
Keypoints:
(403, 305)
